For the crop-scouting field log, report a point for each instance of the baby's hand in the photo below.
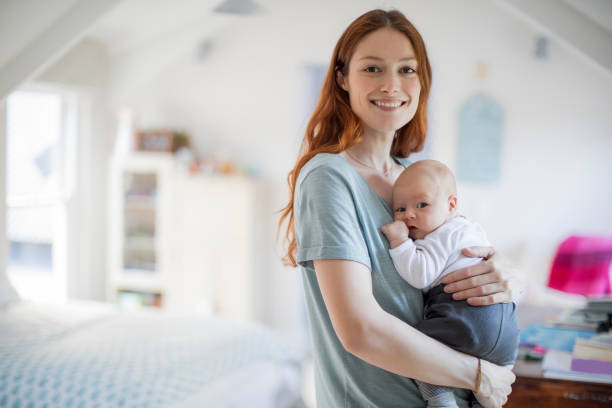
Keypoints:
(396, 232)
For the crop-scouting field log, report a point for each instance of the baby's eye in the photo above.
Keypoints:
(422, 205)
(400, 209)
(372, 69)
(407, 70)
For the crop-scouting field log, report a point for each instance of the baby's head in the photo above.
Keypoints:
(424, 197)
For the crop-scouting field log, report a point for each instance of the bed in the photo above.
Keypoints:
(87, 354)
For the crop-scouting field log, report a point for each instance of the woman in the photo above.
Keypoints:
(371, 115)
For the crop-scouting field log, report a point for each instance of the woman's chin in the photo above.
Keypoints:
(390, 126)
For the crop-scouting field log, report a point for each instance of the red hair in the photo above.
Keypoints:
(334, 126)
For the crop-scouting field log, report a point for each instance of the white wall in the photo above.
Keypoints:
(3, 241)
(557, 155)
(245, 101)
(84, 72)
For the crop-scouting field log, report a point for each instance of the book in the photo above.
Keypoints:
(591, 366)
(603, 340)
(580, 319)
(598, 347)
(602, 304)
(557, 364)
(551, 337)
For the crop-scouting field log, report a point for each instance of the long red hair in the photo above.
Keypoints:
(334, 126)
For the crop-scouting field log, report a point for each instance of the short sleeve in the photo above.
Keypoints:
(326, 221)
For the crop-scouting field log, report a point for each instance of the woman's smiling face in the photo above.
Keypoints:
(382, 81)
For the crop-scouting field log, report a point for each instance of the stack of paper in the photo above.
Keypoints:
(558, 364)
(593, 355)
(552, 337)
(590, 360)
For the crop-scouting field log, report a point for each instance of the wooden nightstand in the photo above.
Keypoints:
(532, 390)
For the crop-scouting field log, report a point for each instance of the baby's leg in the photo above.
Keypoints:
(489, 332)
(437, 396)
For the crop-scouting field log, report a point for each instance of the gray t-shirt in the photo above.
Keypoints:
(338, 216)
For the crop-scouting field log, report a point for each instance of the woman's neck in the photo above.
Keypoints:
(373, 151)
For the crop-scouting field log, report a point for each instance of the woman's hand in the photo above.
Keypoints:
(486, 283)
(495, 384)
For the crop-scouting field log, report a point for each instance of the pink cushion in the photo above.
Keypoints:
(582, 266)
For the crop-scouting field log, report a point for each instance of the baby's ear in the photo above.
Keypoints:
(452, 203)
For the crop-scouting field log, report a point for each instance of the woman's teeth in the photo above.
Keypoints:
(388, 104)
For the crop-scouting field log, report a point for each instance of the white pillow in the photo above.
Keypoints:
(7, 291)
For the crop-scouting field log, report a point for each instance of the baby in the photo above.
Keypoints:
(426, 240)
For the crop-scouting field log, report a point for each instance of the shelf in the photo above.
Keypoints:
(140, 269)
(139, 244)
(139, 207)
(140, 202)
(165, 223)
(141, 281)
(135, 299)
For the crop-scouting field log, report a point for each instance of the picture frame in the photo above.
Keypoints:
(154, 141)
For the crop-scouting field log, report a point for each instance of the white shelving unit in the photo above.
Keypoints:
(179, 241)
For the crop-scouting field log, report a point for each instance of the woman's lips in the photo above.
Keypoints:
(389, 105)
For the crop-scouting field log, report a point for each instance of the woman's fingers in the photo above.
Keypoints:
(479, 252)
(488, 289)
(484, 283)
(500, 297)
(464, 273)
(466, 278)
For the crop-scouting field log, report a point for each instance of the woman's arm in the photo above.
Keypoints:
(381, 339)
(486, 283)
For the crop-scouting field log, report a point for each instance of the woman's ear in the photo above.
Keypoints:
(340, 80)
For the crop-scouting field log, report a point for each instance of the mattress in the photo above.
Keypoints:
(90, 355)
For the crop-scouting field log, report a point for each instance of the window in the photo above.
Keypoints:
(38, 176)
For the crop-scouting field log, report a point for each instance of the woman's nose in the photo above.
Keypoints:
(390, 83)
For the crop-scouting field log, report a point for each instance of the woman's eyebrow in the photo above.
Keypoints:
(382, 59)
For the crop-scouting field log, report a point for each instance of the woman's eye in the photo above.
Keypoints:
(400, 209)
(408, 70)
(422, 205)
(372, 69)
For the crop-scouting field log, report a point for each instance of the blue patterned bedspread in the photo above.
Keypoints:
(92, 357)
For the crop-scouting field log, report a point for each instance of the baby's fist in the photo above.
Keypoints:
(397, 232)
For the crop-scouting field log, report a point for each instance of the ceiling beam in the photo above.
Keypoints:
(52, 43)
(569, 27)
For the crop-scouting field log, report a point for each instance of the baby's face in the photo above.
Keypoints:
(421, 204)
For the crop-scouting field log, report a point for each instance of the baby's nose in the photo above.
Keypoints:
(404, 215)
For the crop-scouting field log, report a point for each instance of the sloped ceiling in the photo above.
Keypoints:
(135, 23)
(35, 33)
(139, 32)
(583, 26)
(41, 16)
(143, 37)
(599, 11)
